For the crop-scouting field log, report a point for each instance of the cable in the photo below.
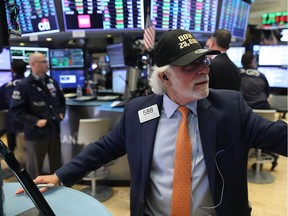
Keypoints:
(199, 207)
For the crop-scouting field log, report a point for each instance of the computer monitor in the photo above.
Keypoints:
(23, 53)
(119, 80)
(277, 77)
(67, 58)
(273, 55)
(102, 16)
(234, 16)
(35, 17)
(195, 16)
(116, 55)
(235, 54)
(69, 78)
(5, 59)
(5, 77)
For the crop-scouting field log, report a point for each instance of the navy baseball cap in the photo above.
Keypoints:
(179, 48)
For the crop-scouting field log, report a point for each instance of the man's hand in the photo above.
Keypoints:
(41, 123)
(61, 116)
(47, 179)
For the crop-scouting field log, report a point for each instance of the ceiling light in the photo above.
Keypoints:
(49, 39)
(21, 44)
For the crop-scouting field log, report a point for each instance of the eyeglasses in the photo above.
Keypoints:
(206, 61)
(198, 62)
(43, 61)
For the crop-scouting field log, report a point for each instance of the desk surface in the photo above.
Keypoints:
(101, 105)
(63, 201)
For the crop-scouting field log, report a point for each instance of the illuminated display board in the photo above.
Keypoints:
(279, 19)
(234, 17)
(191, 15)
(35, 16)
(103, 14)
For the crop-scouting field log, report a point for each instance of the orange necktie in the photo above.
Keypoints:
(181, 200)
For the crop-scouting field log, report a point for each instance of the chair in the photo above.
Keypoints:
(279, 103)
(258, 157)
(89, 131)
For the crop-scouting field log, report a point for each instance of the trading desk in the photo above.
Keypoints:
(76, 110)
(62, 200)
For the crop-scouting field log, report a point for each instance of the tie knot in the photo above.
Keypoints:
(184, 111)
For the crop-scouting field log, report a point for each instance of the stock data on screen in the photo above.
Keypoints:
(191, 15)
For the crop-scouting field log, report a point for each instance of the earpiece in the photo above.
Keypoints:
(165, 77)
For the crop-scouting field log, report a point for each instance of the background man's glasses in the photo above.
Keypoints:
(43, 62)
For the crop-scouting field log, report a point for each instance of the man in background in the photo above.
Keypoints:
(224, 74)
(18, 68)
(39, 104)
(254, 85)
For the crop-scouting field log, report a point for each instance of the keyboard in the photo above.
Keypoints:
(107, 97)
(85, 98)
(119, 103)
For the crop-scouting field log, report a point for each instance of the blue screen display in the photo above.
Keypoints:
(69, 78)
(6, 76)
(5, 59)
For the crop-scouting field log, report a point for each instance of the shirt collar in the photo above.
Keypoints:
(170, 106)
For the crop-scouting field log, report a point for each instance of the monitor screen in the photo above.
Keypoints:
(195, 16)
(119, 80)
(103, 15)
(235, 54)
(116, 55)
(5, 59)
(6, 76)
(23, 53)
(234, 17)
(273, 55)
(69, 78)
(67, 58)
(35, 17)
(277, 77)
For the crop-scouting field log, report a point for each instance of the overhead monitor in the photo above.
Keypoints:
(103, 15)
(195, 16)
(35, 16)
(235, 54)
(69, 78)
(116, 55)
(273, 55)
(119, 80)
(5, 59)
(6, 76)
(234, 16)
(277, 77)
(67, 58)
(23, 53)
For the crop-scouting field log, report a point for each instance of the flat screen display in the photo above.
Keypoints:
(23, 53)
(6, 76)
(277, 77)
(116, 55)
(119, 80)
(5, 59)
(195, 16)
(69, 78)
(235, 54)
(35, 16)
(234, 17)
(67, 58)
(103, 15)
(273, 55)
